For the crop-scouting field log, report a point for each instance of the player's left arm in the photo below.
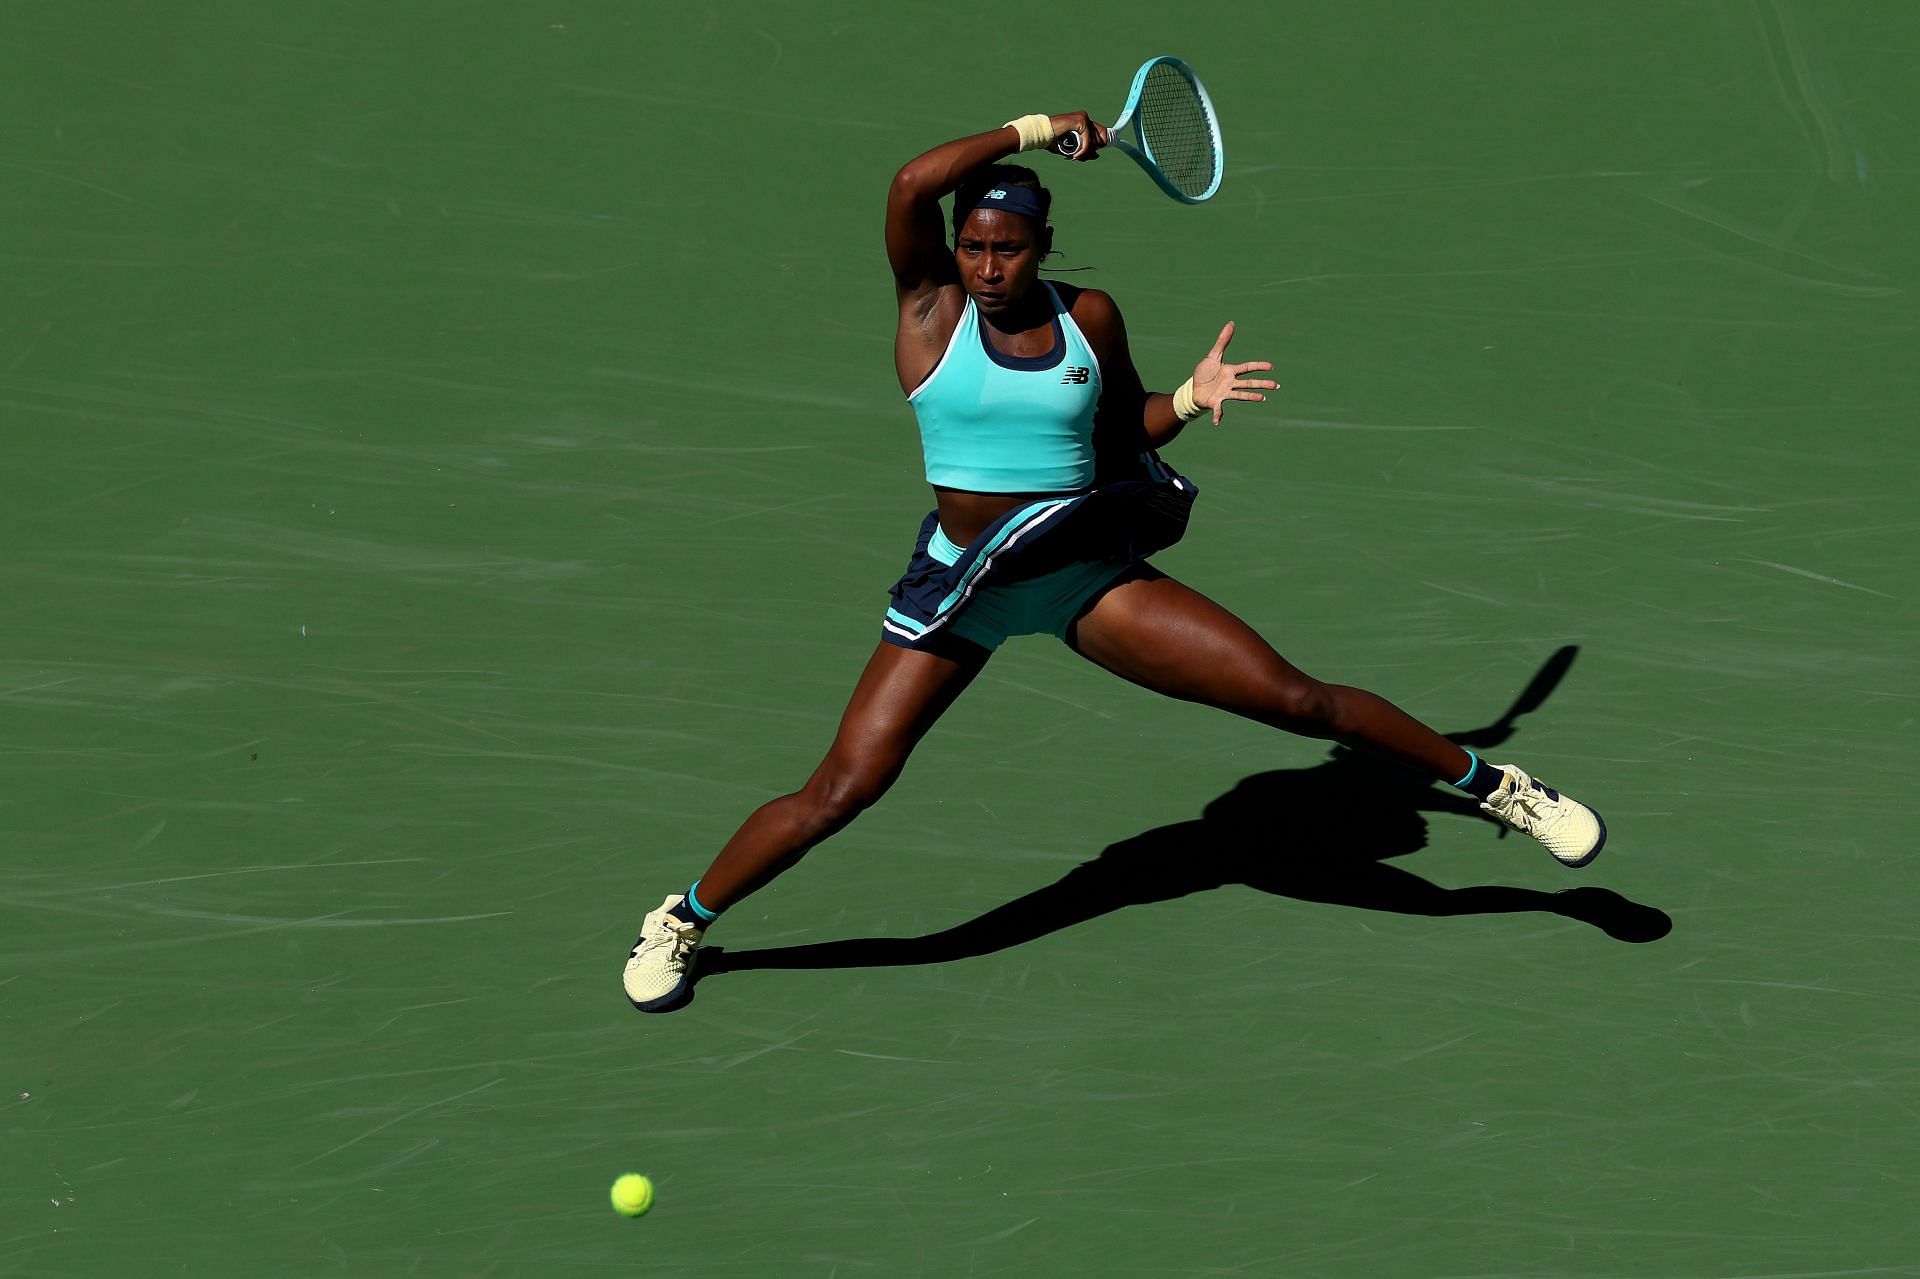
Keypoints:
(1124, 399)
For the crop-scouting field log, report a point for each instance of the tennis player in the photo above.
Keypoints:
(1040, 441)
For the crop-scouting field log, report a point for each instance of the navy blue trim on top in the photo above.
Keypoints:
(1029, 363)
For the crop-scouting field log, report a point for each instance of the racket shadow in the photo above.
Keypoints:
(1322, 834)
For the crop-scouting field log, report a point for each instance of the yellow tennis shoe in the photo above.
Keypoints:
(1572, 832)
(661, 963)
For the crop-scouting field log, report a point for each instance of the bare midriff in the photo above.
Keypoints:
(963, 514)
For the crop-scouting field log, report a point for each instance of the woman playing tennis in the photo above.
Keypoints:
(1039, 441)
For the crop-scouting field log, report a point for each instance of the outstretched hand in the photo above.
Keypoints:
(1215, 381)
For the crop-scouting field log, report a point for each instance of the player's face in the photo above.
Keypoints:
(999, 257)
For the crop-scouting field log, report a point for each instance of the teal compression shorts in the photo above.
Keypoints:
(1044, 605)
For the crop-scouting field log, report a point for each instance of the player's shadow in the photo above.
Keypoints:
(1321, 834)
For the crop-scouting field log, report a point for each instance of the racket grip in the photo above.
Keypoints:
(1070, 142)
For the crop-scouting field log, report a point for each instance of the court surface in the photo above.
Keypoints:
(453, 472)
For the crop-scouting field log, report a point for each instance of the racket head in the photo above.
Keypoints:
(1176, 131)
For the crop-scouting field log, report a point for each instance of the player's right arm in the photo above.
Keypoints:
(916, 235)
(917, 249)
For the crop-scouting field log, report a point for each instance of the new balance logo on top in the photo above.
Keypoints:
(1075, 376)
(996, 195)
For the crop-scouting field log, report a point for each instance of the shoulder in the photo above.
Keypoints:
(1097, 314)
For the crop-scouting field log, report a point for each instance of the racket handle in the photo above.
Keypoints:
(1070, 142)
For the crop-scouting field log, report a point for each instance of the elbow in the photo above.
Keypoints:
(925, 178)
(912, 185)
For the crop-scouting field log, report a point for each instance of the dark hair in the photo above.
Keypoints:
(992, 176)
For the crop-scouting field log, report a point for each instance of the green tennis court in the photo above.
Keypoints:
(453, 473)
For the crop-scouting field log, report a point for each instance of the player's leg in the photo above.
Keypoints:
(898, 698)
(1165, 636)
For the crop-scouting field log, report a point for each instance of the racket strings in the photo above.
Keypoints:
(1178, 131)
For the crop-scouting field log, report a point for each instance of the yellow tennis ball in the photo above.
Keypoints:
(632, 1195)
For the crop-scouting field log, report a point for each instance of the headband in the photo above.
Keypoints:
(1022, 200)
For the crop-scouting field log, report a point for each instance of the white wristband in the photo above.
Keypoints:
(1035, 131)
(1183, 406)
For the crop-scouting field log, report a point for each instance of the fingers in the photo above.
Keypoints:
(1249, 390)
(1220, 405)
(1077, 137)
(1238, 385)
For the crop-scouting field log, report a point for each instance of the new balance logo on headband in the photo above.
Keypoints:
(1021, 200)
(1075, 376)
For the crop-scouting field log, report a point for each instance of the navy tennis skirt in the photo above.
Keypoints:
(1034, 569)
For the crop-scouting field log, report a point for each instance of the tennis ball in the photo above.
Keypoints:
(632, 1195)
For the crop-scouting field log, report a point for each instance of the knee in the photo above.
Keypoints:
(843, 789)
(1305, 705)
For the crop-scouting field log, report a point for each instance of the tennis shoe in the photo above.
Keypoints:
(1572, 832)
(660, 966)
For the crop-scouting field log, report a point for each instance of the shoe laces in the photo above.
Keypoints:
(1525, 805)
(667, 933)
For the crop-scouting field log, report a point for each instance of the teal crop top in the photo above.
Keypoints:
(993, 423)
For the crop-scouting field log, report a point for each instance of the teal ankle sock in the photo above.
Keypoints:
(690, 911)
(1481, 780)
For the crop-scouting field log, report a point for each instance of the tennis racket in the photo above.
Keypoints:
(1176, 134)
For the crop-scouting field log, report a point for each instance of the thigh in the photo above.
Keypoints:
(900, 695)
(1170, 638)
